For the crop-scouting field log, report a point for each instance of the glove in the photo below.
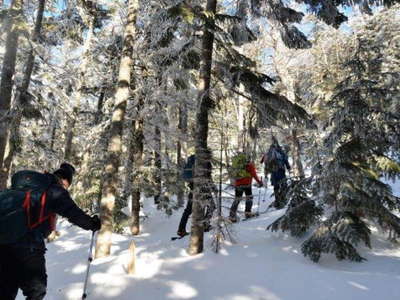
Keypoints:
(96, 223)
(260, 185)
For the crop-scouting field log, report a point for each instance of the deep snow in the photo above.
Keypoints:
(260, 266)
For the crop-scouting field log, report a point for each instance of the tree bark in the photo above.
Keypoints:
(157, 165)
(181, 148)
(296, 150)
(100, 102)
(111, 181)
(201, 134)
(133, 168)
(138, 159)
(157, 157)
(22, 98)
(12, 24)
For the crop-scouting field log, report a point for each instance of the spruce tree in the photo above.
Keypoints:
(357, 150)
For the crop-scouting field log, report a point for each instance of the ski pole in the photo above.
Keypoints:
(259, 196)
(90, 258)
(265, 193)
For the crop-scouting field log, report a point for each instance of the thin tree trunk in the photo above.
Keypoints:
(111, 181)
(138, 159)
(6, 84)
(157, 161)
(31, 56)
(78, 94)
(128, 165)
(22, 97)
(100, 103)
(53, 128)
(181, 147)
(296, 150)
(201, 135)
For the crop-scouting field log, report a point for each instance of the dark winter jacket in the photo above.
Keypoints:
(58, 201)
(280, 174)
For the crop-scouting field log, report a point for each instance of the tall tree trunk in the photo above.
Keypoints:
(100, 102)
(181, 148)
(138, 159)
(157, 165)
(53, 130)
(201, 135)
(12, 24)
(111, 181)
(77, 95)
(128, 165)
(22, 97)
(241, 118)
(296, 150)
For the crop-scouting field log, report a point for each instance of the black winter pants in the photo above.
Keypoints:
(280, 194)
(22, 268)
(188, 210)
(239, 190)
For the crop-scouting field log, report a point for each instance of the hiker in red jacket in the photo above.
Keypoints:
(243, 171)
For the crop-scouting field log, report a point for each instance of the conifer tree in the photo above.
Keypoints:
(13, 26)
(22, 98)
(361, 119)
(361, 139)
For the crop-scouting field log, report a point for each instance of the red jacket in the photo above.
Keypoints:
(247, 180)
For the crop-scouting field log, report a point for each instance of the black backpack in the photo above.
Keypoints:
(22, 207)
(274, 160)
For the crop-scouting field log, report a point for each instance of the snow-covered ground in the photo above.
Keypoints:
(260, 266)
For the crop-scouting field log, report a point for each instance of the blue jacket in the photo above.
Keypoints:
(280, 174)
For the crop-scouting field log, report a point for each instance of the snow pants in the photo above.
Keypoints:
(239, 191)
(188, 211)
(280, 194)
(22, 268)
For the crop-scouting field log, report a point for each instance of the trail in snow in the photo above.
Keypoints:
(261, 266)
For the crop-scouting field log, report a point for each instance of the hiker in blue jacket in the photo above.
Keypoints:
(22, 263)
(208, 189)
(275, 161)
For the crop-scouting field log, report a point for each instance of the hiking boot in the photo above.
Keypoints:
(233, 219)
(182, 233)
(249, 214)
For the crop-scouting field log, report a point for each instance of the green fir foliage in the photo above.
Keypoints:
(302, 212)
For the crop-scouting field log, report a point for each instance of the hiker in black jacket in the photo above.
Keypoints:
(22, 264)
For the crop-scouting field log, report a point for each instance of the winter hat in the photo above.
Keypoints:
(66, 171)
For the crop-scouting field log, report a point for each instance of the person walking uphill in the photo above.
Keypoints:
(275, 161)
(243, 171)
(27, 214)
(207, 189)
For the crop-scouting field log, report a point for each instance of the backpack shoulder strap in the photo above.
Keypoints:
(35, 185)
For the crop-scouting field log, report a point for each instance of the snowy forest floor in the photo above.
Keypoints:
(260, 266)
